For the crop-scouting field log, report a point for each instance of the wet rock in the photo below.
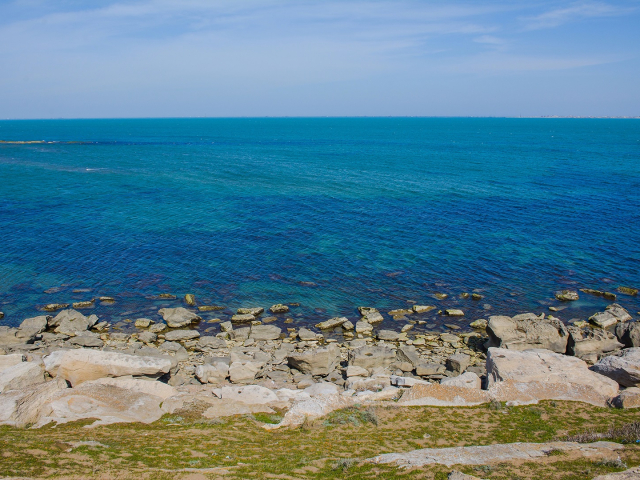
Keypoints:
(307, 335)
(87, 304)
(628, 398)
(422, 308)
(567, 295)
(209, 308)
(628, 290)
(623, 368)
(584, 342)
(318, 361)
(364, 328)
(81, 365)
(545, 367)
(158, 327)
(181, 335)
(479, 324)
(143, 322)
(466, 380)
(167, 296)
(440, 296)
(628, 334)
(20, 376)
(476, 296)
(454, 312)
(178, 317)
(243, 318)
(265, 332)
(388, 335)
(190, 299)
(371, 357)
(52, 307)
(255, 311)
(527, 331)
(332, 323)
(279, 308)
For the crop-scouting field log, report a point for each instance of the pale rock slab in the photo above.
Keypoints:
(527, 331)
(244, 372)
(147, 387)
(81, 365)
(515, 393)
(483, 455)
(545, 367)
(212, 373)
(318, 361)
(107, 403)
(466, 380)
(249, 394)
(443, 395)
(311, 408)
(19, 408)
(7, 361)
(631, 474)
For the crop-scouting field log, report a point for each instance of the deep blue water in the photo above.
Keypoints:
(372, 211)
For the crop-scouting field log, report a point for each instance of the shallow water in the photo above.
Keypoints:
(328, 212)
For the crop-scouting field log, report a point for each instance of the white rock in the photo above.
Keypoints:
(356, 371)
(7, 361)
(249, 394)
(466, 380)
(178, 317)
(148, 387)
(19, 408)
(212, 373)
(244, 372)
(21, 375)
(322, 388)
(81, 365)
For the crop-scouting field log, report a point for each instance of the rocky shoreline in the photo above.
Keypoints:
(67, 366)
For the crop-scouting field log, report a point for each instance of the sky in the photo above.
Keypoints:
(228, 58)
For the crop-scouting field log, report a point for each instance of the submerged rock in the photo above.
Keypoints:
(567, 295)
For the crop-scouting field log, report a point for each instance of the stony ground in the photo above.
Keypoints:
(181, 447)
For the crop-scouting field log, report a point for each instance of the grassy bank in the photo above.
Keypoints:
(180, 446)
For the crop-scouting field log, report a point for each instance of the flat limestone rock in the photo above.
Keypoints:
(483, 455)
(81, 365)
(249, 394)
(315, 407)
(436, 394)
(526, 331)
(545, 367)
(8, 361)
(319, 361)
(515, 393)
(148, 387)
(229, 408)
(106, 403)
(631, 474)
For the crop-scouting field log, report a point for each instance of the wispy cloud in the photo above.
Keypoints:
(573, 12)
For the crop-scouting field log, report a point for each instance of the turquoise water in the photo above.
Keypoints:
(328, 212)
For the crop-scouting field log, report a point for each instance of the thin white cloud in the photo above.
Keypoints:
(574, 12)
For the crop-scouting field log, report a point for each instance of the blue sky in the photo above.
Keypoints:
(166, 58)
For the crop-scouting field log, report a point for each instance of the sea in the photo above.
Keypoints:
(324, 214)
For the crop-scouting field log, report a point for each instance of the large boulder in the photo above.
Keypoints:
(531, 392)
(466, 380)
(443, 395)
(588, 342)
(527, 331)
(370, 357)
(318, 361)
(545, 367)
(21, 375)
(628, 398)
(71, 322)
(178, 317)
(624, 369)
(77, 366)
(140, 385)
(628, 334)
